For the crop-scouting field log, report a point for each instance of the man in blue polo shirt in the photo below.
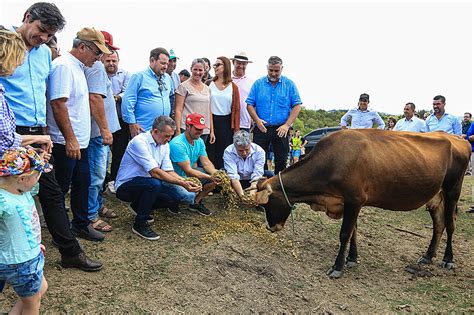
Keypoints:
(148, 94)
(26, 95)
(274, 103)
(440, 120)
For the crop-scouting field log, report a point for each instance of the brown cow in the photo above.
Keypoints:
(350, 169)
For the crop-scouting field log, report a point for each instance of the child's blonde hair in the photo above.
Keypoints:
(12, 51)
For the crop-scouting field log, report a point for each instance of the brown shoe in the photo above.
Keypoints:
(81, 261)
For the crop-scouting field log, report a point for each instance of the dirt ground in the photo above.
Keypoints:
(228, 262)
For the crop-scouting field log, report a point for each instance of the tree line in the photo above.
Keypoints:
(310, 119)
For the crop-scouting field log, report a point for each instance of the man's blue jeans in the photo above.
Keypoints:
(148, 193)
(98, 167)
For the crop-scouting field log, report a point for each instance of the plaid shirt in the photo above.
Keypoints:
(8, 137)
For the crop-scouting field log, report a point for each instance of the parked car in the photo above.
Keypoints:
(314, 136)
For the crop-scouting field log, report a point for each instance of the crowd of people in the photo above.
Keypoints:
(166, 135)
(77, 110)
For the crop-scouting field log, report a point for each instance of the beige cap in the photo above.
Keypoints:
(92, 35)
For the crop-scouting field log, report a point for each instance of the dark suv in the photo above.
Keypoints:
(314, 136)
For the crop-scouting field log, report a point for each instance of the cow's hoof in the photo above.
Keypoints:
(332, 273)
(351, 263)
(424, 260)
(447, 265)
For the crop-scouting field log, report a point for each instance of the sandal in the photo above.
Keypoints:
(101, 226)
(107, 213)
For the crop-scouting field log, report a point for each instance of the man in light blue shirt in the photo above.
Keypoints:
(148, 94)
(104, 122)
(274, 103)
(26, 95)
(146, 177)
(410, 122)
(442, 121)
(244, 162)
(174, 78)
(362, 117)
(119, 78)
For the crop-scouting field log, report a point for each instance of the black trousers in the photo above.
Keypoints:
(280, 145)
(121, 139)
(52, 202)
(74, 175)
(223, 133)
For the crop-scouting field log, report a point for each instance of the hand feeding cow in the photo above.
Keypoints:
(347, 170)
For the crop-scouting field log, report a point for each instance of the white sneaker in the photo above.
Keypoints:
(111, 187)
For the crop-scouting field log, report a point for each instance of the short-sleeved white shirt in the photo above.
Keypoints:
(67, 80)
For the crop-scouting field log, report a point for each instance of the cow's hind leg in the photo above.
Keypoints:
(436, 209)
(450, 226)
(351, 260)
(348, 223)
(450, 221)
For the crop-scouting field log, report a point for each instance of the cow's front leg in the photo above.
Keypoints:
(348, 223)
(351, 260)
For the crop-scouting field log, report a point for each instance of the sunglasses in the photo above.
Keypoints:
(217, 65)
(161, 85)
(97, 53)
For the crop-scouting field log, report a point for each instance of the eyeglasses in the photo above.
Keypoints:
(97, 53)
(217, 65)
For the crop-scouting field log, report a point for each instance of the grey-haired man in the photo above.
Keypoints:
(244, 162)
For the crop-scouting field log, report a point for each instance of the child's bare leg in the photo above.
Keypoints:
(31, 304)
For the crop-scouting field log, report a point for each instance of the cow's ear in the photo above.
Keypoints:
(261, 197)
(260, 183)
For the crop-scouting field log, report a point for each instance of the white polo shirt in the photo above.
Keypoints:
(67, 80)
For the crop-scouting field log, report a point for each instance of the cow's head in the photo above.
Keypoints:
(276, 208)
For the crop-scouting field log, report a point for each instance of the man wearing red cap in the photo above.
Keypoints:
(119, 79)
(186, 150)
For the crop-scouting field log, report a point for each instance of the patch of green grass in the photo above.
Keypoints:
(442, 294)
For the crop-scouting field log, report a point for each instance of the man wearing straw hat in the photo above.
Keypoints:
(240, 62)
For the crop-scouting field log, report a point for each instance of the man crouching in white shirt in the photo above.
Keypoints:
(146, 177)
(244, 162)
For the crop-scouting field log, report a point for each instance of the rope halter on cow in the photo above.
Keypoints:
(292, 207)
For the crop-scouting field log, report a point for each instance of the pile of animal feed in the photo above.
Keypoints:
(232, 200)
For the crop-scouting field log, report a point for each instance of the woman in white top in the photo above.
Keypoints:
(225, 109)
(193, 96)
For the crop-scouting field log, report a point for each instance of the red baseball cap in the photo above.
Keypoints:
(197, 120)
(109, 40)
